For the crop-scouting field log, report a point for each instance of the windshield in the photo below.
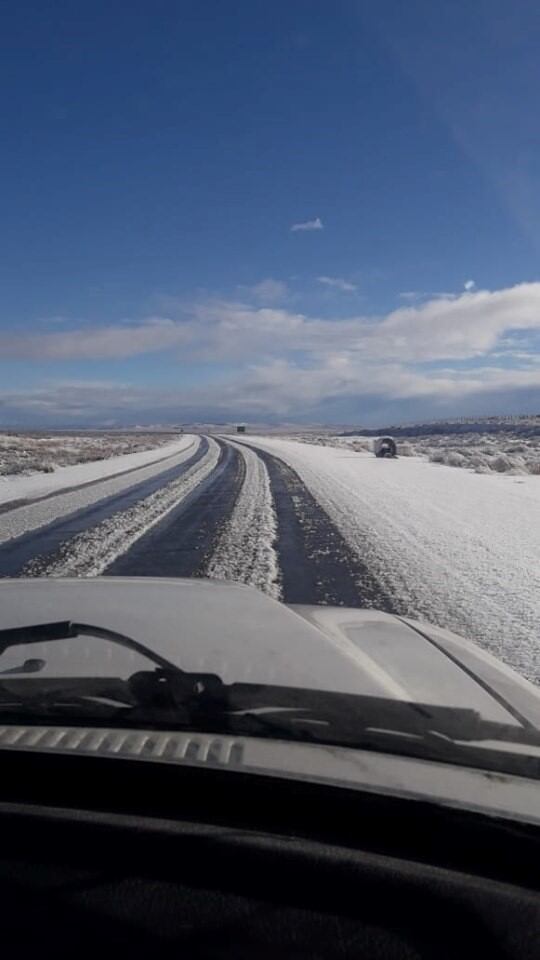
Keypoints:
(270, 318)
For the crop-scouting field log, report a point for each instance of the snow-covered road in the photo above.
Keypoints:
(245, 551)
(90, 552)
(33, 515)
(310, 524)
(459, 549)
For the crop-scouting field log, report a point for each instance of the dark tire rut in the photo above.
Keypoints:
(317, 565)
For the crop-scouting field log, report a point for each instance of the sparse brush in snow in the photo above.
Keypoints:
(24, 454)
(502, 463)
(405, 450)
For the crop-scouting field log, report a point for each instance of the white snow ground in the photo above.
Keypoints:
(458, 549)
(245, 551)
(31, 516)
(89, 553)
(18, 487)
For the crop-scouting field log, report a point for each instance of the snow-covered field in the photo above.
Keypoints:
(20, 486)
(456, 548)
(479, 452)
(22, 453)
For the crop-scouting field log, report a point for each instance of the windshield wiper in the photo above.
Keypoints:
(70, 629)
(166, 693)
(168, 697)
(318, 715)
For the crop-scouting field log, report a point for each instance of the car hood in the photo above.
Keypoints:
(245, 636)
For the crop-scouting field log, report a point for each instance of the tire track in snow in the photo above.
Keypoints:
(246, 550)
(316, 564)
(92, 551)
(181, 544)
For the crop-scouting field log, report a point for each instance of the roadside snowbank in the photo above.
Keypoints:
(455, 548)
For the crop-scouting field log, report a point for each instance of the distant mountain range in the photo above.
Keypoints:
(526, 426)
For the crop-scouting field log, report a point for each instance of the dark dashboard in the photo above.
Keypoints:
(98, 853)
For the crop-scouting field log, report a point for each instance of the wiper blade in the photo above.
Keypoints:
(70, 629)
(172, 698)
(351, 714)
(169, 693)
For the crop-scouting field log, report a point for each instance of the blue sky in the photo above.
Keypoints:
(269, 211)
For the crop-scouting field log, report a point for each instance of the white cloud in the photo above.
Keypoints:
(285, 361)
(467, 326)
(469, 285)
(268, 291)
(308, 225)
(94, 343)
(345, 285)
(277, 387)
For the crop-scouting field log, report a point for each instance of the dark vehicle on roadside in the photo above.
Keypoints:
(385, 447)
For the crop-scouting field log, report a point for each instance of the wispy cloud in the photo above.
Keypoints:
(345, 285)
(414, 296)
(267, 291)
(316, 224)
(98, 342)
(410, 295)
(469, 285)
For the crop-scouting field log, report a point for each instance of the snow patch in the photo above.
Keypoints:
(246, 549)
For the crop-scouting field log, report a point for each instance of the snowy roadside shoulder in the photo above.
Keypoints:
(89, 553)
(451, 547)
(246, 549)
(42, 484)
(23, 454)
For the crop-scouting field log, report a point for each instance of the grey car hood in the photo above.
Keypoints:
(245, 636)
(242, 635)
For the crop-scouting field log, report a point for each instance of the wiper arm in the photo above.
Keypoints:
(68, 629)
